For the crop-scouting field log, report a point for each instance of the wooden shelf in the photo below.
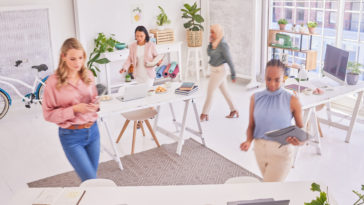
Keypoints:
(311, 55)
(290, 49)
(292, 32)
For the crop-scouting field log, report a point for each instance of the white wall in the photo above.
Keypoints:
(61, 19)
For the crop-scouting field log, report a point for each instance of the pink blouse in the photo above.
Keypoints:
(57, 103)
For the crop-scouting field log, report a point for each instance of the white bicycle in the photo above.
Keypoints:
(34, 96)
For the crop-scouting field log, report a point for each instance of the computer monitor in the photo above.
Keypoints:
(336, 61)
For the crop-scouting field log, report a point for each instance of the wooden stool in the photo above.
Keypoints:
(138, 117)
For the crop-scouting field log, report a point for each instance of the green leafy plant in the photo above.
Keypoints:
(320, 200)
(102, 44)
(311, 24)
(361, 196)
(162, 18)
(354, 67)
(282, 21)
(194, 19)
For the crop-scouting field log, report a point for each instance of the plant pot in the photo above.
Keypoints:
(282, 26)
(160, 28)
(352, 79)
(311, 30)
(194, 38)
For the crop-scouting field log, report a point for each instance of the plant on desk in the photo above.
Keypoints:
(162, 19)
(102, 44)
(282, 24)
(354, 72)
(320, 200)
(361, 196)
(311, 26)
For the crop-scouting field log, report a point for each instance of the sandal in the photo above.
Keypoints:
(204, 117)
(233, 114)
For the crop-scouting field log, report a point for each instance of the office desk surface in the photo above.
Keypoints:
(220, 194)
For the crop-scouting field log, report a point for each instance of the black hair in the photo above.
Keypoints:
(276, 63)
(143, 29)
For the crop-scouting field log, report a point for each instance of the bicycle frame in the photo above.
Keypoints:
(7, 81)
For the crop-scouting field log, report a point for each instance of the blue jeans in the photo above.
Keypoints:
(82, 148)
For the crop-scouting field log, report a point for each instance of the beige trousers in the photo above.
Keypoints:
(274, 162)
(217, 79)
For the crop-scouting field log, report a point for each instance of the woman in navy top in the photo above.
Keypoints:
(272, 109)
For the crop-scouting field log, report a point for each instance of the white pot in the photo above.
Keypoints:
(160, 28)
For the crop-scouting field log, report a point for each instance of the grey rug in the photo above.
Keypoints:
(160, 166)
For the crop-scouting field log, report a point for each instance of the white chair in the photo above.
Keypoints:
(138, 116)
(241, 180)
(195, 53)
(98, 183)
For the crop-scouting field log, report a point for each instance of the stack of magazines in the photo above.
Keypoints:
(187, 88)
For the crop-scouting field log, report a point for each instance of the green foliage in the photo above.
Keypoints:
(311, 24)
(320, 200)
(282, 21)
(194, 19)
(162, 18)
(354, 67)
(361, 196)
(102, 44)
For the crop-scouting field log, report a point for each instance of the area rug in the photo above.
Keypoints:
(160, 166)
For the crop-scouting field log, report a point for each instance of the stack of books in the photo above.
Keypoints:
(187, 88)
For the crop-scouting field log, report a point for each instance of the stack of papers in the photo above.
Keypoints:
(268, 201)
(186, 92)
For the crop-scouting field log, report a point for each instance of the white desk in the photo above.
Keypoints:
(219, 194)
(309, 103)
(116, 107)
(122, 55)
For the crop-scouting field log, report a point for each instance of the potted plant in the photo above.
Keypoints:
(193, 25)
(354, 72)
(102, 44)
(361, 196)
(311, 26)
(323, 199)
(282, 24)
(162, 19)
(302, 28)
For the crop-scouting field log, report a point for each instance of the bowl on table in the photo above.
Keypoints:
(120, 46)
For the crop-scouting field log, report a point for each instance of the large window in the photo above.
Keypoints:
(345, 31)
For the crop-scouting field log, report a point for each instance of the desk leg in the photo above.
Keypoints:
(198, 122)
(316, 131)
(174, 116)
(183, 127)
(306, 116)
(116, 153)
(156, 118)
(328, 110)
(354, 116)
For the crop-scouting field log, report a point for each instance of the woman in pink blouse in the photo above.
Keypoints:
(70, 101)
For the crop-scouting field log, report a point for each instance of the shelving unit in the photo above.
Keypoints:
(311, 55)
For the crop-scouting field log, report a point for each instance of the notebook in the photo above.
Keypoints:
(187, 86)
(295, 87)
(292, 131)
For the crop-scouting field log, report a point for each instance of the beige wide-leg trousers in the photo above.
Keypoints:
(274, 162)
(217, 80)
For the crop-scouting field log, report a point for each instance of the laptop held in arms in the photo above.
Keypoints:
(133, 92)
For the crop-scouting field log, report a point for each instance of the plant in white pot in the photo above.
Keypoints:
(282, 24)
(193, 25)
(352, 76)
(162, 19)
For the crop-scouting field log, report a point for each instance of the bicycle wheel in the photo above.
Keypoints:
(40, 93)
(4, 104)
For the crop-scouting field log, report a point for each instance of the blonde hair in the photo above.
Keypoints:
(62, 70)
